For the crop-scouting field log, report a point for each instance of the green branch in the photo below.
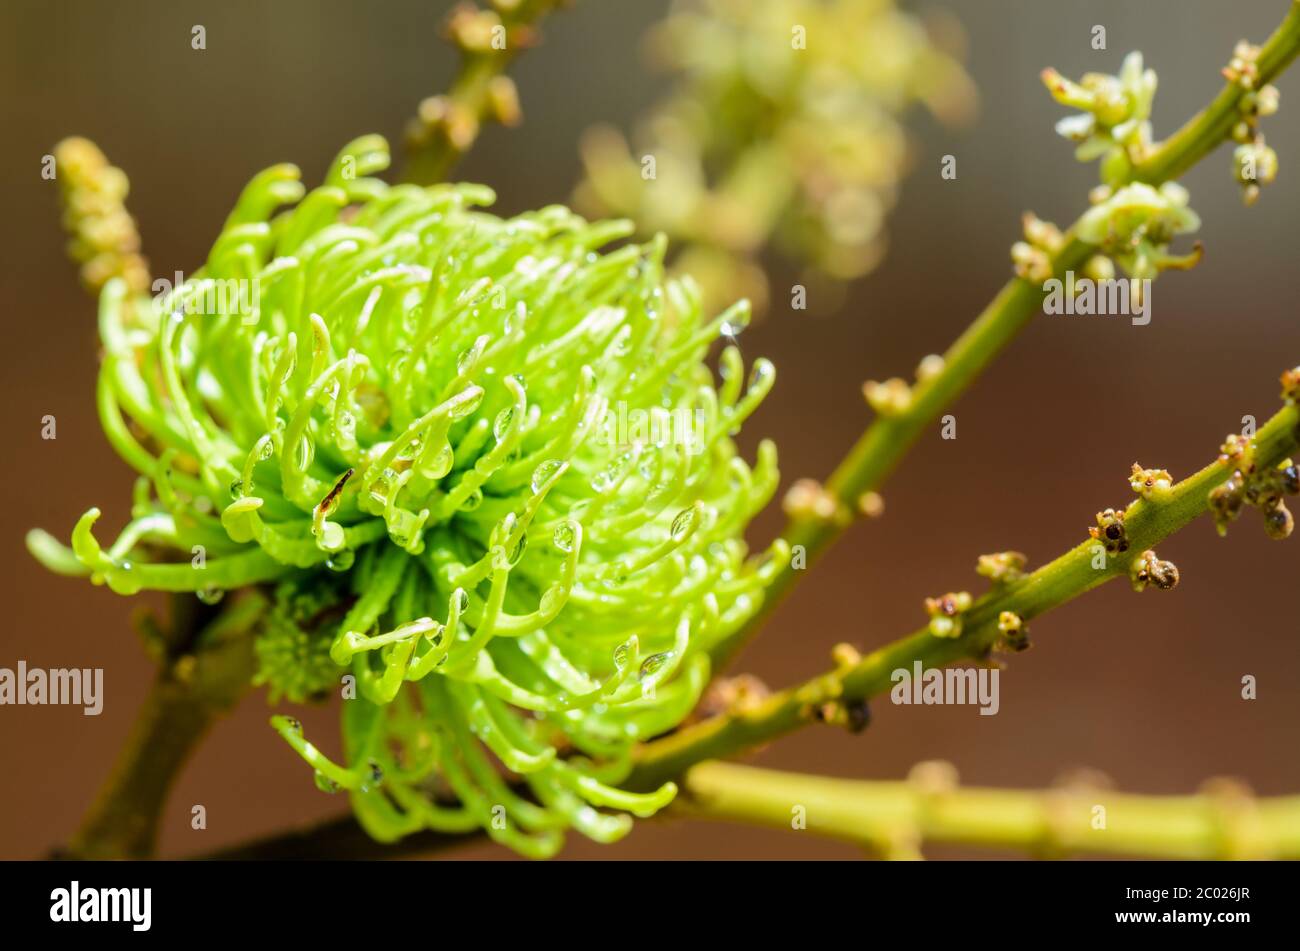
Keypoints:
(1147, 522)
(884, 443)
(446, 126)
(1206, 130)
(894, 818)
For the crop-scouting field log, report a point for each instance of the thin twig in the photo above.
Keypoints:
(1146, 522)
(446, 126)
(884, 443)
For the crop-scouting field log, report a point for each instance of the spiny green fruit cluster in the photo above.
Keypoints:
(394, 411)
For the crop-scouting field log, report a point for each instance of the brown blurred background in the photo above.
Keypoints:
(1145, 688)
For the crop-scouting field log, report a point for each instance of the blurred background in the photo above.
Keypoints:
(1145, 688)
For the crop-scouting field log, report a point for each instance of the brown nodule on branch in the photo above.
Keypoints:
(1145, 523)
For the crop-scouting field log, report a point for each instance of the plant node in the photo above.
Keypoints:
(1150, 483)
(946, 611)
(871, 504)
(891, 398)
(1109, 530)
(1002, 567)
(809, 499)
(1013, 633)
(1147, 569)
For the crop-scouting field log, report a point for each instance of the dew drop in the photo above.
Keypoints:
(341, 560)
(607, 478)
(654, 663)
(502, 422)
(397, 365)
(210, 595)
(324, 783)
(552, 598)
(465, 362)
(441, 463)
(513, 556)
(735, 323)
(382, 486)
(466, 406)
(646, 468)
(474, 500)
(564, 537)
(621, 654)
(760, 373)
(332, 536)
(682, 523)
(604, 480)
(237, 489)
(462, 600)
(543, 474)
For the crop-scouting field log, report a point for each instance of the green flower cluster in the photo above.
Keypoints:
(1131, 223)
(392, 408)
(1136, 224)
(1115, 123)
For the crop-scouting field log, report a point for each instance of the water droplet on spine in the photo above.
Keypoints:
(654, 663)
(382, 486)
(441, 462)
(340, 560)
(621, 654)
(210, 595)
(468, 357)
(552, 598)
(502, 422)
(682, 523)
(543, 474)
(467, 405)
(734, 324)
(564, 537)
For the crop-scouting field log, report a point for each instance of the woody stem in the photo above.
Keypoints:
(205, 665)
